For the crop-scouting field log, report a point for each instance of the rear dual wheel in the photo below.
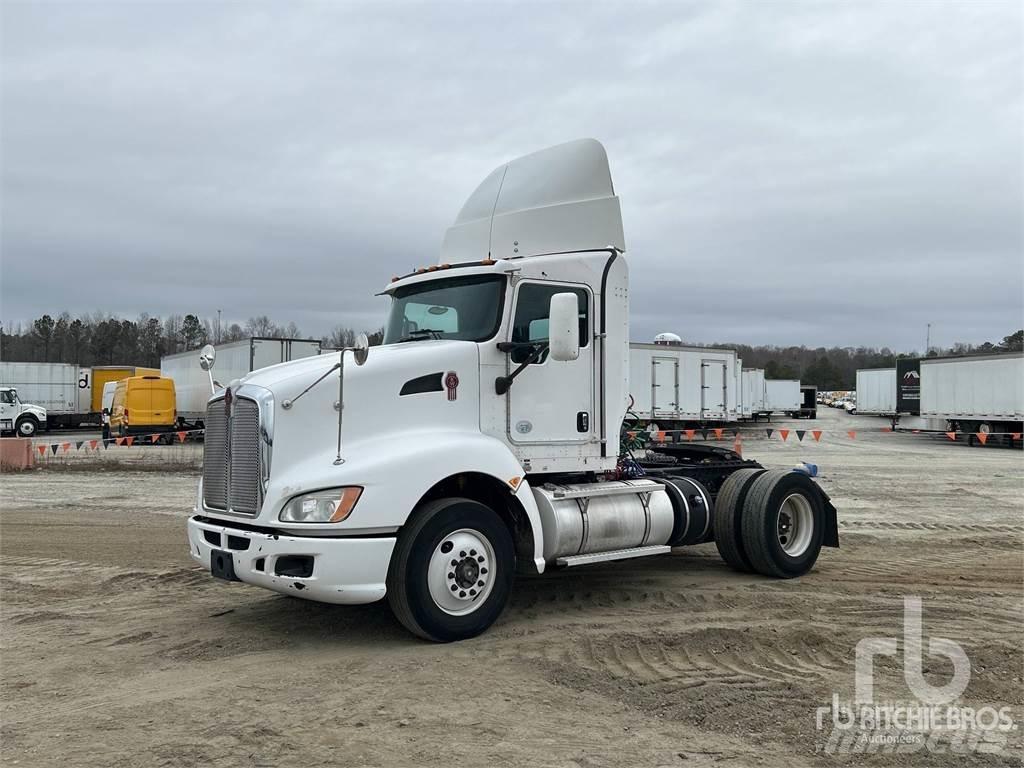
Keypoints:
(769, 522)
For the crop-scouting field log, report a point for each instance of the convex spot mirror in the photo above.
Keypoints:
(207, 356)
(564, 327)
(361, 349)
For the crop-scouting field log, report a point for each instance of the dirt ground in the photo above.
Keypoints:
(117, 651)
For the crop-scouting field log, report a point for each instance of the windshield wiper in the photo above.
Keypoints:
(421, 334)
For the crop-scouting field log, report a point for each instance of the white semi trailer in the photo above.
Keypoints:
(235, 360)
(752, 389)
(783, 396)
(876, 391)
(978, 393)
(483, 436)
(677, 384)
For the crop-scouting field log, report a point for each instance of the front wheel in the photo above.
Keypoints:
(451, 571)
(27, 427)
(782, 524)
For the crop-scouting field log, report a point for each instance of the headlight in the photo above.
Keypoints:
(328, 506)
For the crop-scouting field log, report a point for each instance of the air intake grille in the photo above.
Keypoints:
(232, 462)
(244, 490)
(215, 457)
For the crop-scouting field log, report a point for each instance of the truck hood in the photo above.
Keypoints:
(423, 386)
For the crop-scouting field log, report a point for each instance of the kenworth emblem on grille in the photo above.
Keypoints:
(451, 382)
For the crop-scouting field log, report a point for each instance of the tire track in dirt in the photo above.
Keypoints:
(677, 661)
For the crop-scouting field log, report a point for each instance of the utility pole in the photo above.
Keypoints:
(928, 341)
(218, 328)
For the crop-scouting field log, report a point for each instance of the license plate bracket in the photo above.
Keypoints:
(222, 565)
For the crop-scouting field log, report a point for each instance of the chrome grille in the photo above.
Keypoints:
(234, 457)
(215, 457)
(244, 490)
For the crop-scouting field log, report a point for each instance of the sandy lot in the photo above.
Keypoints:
(116, 651)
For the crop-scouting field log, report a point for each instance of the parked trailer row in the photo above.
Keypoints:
(978, 393)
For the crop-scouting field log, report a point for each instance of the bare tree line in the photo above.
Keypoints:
(102, 339)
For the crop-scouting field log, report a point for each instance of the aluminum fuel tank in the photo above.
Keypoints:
(599, 517)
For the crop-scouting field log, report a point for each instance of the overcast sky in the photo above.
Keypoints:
(790, 173)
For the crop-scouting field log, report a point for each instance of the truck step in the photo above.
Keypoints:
(614, 554)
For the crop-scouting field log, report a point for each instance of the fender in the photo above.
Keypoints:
(395, 472)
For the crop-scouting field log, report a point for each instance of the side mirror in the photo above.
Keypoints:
(361, 349)
(207, 356)
(564, 327)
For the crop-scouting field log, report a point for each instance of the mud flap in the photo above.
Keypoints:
(829, 521)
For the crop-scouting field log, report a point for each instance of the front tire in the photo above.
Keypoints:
(26, 426)
(782, 524)
(451, 572)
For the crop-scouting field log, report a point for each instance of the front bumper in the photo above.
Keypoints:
(346, 571)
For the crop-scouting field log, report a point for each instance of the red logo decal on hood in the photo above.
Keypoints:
(451, 383)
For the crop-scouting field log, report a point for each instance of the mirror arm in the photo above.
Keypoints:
(502, 384)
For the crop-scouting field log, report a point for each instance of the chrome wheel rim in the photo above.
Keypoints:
(461, 572)
(795, 524)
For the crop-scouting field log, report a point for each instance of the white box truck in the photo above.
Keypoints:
(62, 390)
(978, 393)
(673, 384)
(235, 359)
(876, 391)
(783, 396)
(484, 436)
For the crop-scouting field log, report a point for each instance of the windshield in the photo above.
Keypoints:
(466, 308)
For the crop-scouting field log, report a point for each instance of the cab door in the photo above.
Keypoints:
(7, 411)
(550, 402)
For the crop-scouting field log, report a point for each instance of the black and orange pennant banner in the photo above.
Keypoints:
(96, 444)
(659, 436)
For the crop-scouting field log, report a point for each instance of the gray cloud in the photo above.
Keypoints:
(789, 173)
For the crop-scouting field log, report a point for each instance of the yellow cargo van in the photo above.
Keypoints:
(143, 405)
(103, 374)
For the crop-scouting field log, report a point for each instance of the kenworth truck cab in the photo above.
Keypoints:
(485, 436)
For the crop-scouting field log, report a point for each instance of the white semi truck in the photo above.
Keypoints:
(483, 437)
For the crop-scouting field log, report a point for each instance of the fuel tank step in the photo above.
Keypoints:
(614, 554)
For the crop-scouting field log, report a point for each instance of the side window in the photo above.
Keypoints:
(6, 397)
(531, 319)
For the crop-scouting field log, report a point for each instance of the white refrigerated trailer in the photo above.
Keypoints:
(783, 396)
(876, 391)
(235, 359)
(975, 393)
(670, 384)
(752, 394)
